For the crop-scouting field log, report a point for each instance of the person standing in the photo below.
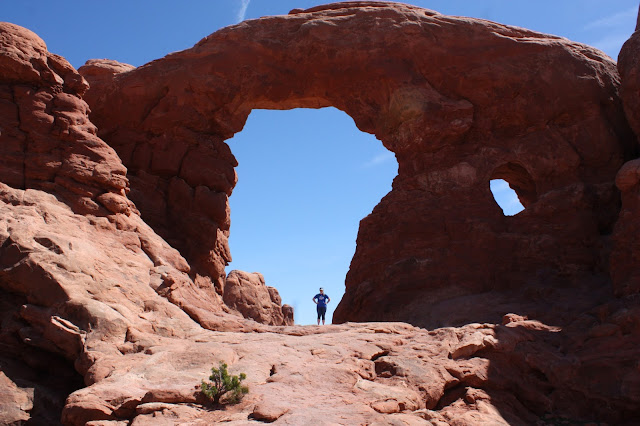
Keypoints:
(321, 300)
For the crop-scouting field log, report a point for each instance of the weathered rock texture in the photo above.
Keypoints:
(103, 322)
(625, 257)
(87, 292)
(72, 285)
(248, 294)
(459, 101)
(90, 296)
(77, 290)
(47, 141)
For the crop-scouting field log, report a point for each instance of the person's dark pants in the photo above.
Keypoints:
(321, 311)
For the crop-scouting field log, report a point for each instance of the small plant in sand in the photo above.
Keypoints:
(222, 383)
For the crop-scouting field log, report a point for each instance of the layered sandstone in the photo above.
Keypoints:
(73, 283)
(82, 292)
(78, 265)
(248, 294)
(480, 101)
(625, 256)
(47, 141)
(76, 290)
(104, 322)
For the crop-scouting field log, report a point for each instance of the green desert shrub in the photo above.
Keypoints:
(222, 383)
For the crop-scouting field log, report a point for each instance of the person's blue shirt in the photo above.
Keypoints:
(322, 300)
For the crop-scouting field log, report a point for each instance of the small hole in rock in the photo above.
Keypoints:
(513, 188)
(506, 197)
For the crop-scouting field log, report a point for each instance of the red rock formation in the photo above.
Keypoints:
(47, 141)
(45, 126)
(629, 68)
(485, 101)
(625, 256)
(248, 294)
(64, 276)
(89, 291)
(76, 289)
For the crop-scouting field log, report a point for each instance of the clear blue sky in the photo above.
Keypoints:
(306, 177)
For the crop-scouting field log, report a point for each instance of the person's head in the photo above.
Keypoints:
(321, 290)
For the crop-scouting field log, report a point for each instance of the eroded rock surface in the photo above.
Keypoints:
(78, 291)
(105, 323)
(247, 293)
(93, 297)
(47, 141)
(625, 256)
(480, 101)
(77, 263)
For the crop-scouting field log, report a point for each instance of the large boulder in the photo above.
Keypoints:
(47, 141)
(625, 255)
(459, 101)
(247, 293)
(629, 68)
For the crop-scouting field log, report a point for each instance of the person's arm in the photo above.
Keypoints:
(314, 300)
(328, 299)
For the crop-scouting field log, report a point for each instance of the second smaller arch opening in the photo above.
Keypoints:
(513, 188)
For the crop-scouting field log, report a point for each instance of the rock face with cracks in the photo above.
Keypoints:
(247, 293)
(459, 101)
(76, 259)
(104, 322)
(47, 141)
(625, 256)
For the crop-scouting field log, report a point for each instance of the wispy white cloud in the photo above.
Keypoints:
(615, 20)
(514, 202)
(506, 197)
(499, 185)
(242, 13)
(379, 159)
(611, 44)
(509, 203)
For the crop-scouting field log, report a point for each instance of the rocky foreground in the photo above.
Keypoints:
(86, 311)
(114, 221)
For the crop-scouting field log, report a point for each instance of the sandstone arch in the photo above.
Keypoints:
(96, 286)
(453, 98)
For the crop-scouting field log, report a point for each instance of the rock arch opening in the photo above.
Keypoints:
(420, 244)
(513, 188)
(306, 177)
(505, 197)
